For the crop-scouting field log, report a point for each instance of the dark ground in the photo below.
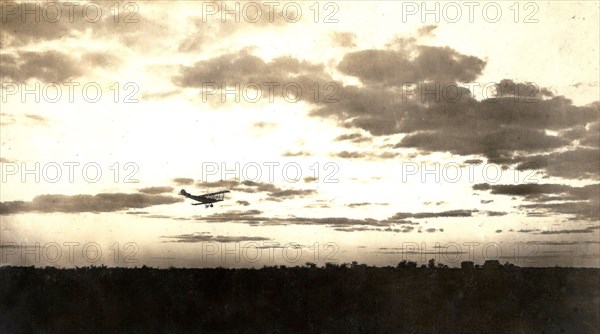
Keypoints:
(335, 299)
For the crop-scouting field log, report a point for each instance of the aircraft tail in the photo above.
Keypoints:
(183, 192)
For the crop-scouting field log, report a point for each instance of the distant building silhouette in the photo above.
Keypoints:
(467, 265)
(491, 264)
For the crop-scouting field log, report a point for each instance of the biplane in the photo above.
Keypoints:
(206, 199)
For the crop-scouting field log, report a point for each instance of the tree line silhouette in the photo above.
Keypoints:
(336, 298)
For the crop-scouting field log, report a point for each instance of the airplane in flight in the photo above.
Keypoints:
(206, 199)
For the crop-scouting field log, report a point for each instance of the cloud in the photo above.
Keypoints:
(589, 229)
(310, 179)
(495, 213)
(566, 243)
(520, 121)
(47, 66)
(257, 15)
(263, 125)
(203, 237)
(581, 202)
(577, 163)
(37, 118)
(99, 59)
(353, 137)
(244, 203)
(255, 217)
(229, 184)
(427, 30)
(296, 154)
(344, 39)
(282, 194)
(105, 202)
(244, 68)
(183, 181)
(420, 215)
(274, 193)
(410, 63)
(365, 155)
(129, 28)
(156, 190)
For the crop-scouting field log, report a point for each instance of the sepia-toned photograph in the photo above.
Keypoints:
(299, 166)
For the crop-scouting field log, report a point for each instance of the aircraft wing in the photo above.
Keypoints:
(217, 193)
(217, 197)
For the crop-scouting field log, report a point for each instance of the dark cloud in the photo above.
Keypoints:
(51, 66)
(353, 137)
(297, 154)
(581, 202)
(574, 231)
(235, 216)
(274, 193)
(47, 66)
(351, 155)
(105, 202)
(583, 210)
(488, 142)
(309, 179)
(183, 181)
(156, 190)
(354, 205)
(203, 237)
(577, 163)
(526, 190)
(565, 243)
(130, 27)
(244, 67)
(229, 184)
(519, 121)
(411, 63)
(256, 217)
(365, 155)
(420, 215)
(496, 213)
(528, 230)
(244, 203)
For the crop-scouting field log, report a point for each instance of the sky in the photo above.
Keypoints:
(368, 131)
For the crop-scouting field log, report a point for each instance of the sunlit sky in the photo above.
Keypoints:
(354, 167)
